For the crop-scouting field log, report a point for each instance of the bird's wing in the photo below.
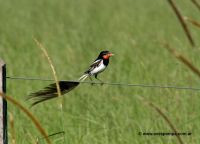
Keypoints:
(94, 65)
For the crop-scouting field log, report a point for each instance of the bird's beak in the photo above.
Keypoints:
(111, 54)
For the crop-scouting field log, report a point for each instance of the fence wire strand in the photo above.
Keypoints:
(112, 83)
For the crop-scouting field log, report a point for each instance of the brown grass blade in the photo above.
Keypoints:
(51, 65)
(183, 59)
(164, 116)
(182, 22)
(194, 22)
(29, 114)
(196, 4)
(56, 81)
(12, 128)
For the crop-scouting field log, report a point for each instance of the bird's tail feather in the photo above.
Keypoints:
(50, 91)
(83, 77)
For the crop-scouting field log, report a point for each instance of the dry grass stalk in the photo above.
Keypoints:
(29, 114)
(183, 59)
(56, 80)
(12, 128)
(168, 121)
(182, 22)
(51, 65)
(196, 4)
(194, 22)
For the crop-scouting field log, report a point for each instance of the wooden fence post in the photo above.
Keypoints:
(3, 105)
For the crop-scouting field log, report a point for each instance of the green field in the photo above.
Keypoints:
(74, 32)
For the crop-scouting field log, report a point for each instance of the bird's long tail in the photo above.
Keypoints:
(83, 77)
(50, 91)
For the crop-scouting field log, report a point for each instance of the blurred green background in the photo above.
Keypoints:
(74, 32)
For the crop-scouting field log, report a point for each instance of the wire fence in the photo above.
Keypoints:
(112, 83)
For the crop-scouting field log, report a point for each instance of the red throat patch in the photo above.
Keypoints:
(106, 56)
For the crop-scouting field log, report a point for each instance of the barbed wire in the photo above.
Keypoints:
(112, 83)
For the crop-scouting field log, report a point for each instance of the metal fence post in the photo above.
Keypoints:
(3, 105)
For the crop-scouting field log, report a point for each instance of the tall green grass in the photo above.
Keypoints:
(74, 32)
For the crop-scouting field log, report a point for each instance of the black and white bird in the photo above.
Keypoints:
(49, 92)
(98, 66)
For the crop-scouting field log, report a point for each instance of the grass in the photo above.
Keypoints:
(28, 113)
(76, 31)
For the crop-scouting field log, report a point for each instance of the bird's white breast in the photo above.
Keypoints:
(98, 69)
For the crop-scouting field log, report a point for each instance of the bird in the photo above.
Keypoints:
(49, 92)
(98, 66)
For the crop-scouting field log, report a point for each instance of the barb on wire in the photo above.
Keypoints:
(113, 84)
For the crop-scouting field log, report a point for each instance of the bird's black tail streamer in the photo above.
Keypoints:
(50, 91)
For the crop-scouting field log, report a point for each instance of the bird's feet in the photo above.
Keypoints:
(102, 83)
(92, 83)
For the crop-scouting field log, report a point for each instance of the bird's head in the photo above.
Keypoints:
(105, 54)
